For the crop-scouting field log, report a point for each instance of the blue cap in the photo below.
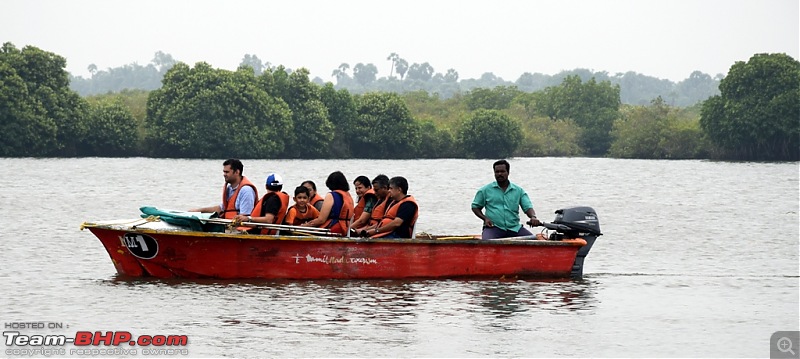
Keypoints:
(274, 179)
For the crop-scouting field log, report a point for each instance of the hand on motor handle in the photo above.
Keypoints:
(533, 222)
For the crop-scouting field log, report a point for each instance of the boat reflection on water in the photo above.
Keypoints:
(319, 315)
(504, 299)
(389, 301)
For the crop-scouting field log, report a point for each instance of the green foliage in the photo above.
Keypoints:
(695, 89)
(655, 131)
(313, 131)
(365, 74)
(638, 132)
(113, 130)
(497, 98)
(342, 78)
(684, 139)
(444, 112)
(131, 76)
(593, 106)
(135, 102)
(436, 142)
(37, 78)
(25, 130)
(402, 67)
(342, 114)
(639, 89)
(254, 63)
(384, 128)
(422, 72)
(489, 134)
(756, 115)
(203, 112)
(543, 137)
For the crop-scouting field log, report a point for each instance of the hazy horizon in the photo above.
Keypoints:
(667, 40)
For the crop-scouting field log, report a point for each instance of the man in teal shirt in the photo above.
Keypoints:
(502, 200)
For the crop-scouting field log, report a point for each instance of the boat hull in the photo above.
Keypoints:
(141, 252)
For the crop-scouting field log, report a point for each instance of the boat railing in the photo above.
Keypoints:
(282, 227)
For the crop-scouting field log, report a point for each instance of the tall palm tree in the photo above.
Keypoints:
(393, 57)
(341, 72)
(402, 67)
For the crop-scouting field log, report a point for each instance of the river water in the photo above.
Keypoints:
(698, 259)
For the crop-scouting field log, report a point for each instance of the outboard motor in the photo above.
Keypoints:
(576, 222)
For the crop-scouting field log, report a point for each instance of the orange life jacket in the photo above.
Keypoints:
(313, 200)
(259, 209)
(230, 210)
(362, 202)
(391, 214)
(339, 222)
(378, 211)
(300, 217)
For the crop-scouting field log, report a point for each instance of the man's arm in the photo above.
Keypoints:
(389, 227)
(532, 221)
(479, 213)
(405, 213)
(209, 209)
(361, 221)
(527, 206)
(369, 204)
(477, 206)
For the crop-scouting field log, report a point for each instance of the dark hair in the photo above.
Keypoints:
(313, 185)
(381, 180)
(337, 181)
(363, 180)
(502, 162)
(235, 165)
(400, 182)
(301, 189)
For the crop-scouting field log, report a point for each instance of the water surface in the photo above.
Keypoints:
(698, 259)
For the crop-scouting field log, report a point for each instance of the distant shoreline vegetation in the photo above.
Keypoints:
(635, 88)
(171, 109)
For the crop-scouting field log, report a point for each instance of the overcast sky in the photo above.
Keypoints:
(665, 39)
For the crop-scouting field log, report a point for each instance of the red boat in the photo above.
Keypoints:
(181, 245)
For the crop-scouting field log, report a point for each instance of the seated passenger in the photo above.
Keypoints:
(313, 197)
(366, 201)
(380, 184)
(337, 207)
(238, 193)
(300, 212)
(271, 208)
(401, 215)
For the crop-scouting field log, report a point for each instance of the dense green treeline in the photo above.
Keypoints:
(272, 112)
(635, 88)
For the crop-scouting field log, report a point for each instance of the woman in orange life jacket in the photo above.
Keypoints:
(238, 193)
(380, 184)
(314, 198)
(401, 214)
(301, 211)
(337, 208)
(366, 201)
(271, 208)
